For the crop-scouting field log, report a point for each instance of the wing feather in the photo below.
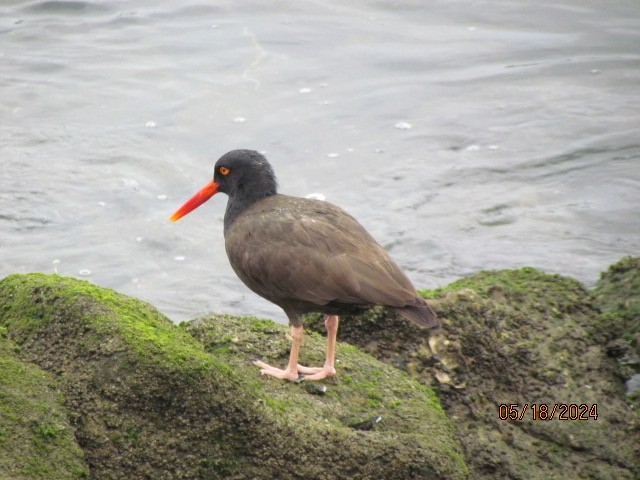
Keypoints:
(312, 251)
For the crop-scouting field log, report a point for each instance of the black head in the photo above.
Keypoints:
(245, 175)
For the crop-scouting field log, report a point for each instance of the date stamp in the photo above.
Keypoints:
(545, 412)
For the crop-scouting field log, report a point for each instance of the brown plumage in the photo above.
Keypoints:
(311, 256)
(303, 255)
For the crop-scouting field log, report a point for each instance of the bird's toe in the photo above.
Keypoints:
(265, 369)
(324, 372)
(308, 370)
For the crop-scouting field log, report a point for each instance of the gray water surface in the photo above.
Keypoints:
(465, 135)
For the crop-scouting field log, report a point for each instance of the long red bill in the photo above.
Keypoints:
(208, 191)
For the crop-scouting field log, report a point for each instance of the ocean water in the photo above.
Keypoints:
(465, 135)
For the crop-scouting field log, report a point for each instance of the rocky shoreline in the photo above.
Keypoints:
(538, 349)
(526, 380)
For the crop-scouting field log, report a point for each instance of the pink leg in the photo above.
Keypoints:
(328, 370)
(291, 372)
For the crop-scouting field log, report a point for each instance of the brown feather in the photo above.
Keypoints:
(317, 258)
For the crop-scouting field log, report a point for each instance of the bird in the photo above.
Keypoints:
(303, 255)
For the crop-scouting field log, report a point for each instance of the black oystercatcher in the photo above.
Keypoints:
(303, 255)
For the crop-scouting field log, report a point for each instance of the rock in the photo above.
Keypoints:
(36, 439)
(527, 347)
(618, 293)
(369, 424)
(148, 399)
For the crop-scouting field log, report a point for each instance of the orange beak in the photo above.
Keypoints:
(208, 191)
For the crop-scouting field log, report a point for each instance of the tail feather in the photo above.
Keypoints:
(420, 314)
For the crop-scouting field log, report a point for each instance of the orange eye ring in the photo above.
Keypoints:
(224, 171)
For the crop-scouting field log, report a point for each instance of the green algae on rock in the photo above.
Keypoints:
(413, 421)
(148, 400)
(36, 440)
(515, 337)
(618, 294)
(618, 289)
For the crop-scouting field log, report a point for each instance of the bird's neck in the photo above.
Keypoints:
(237, 204)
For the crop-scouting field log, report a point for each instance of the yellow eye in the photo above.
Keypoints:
(224, 171)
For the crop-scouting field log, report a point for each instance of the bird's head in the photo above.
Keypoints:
(244, 175)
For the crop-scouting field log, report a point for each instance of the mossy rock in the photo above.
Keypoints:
(618, 291)
(36, 439)
(148, 399)
(618, 294)
(516, 337)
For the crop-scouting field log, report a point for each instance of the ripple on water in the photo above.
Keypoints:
(68, 7)
(25, 223)
(497, 215)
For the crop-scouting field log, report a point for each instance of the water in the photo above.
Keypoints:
(463, 135)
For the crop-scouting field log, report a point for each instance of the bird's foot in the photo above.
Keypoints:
(286, 374)
(298, 374)
(317, 373)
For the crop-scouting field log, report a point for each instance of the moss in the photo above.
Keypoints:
(39, 297)
(36, 440)
(148, 399)
(520, 289)
(618, 293)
